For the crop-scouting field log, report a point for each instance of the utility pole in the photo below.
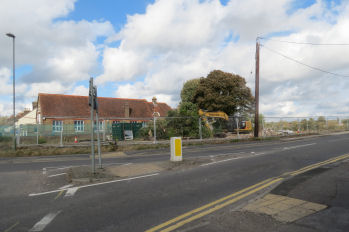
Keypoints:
(256, 96)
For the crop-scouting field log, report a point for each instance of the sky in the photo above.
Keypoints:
(146, 48)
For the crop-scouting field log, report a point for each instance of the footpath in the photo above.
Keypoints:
(317, 200)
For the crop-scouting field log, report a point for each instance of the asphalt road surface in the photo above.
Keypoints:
(142, 203)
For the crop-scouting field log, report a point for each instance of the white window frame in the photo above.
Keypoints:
(57, 125)
(101, 126)
(79, 125)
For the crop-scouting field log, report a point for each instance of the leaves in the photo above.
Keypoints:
(222, 91)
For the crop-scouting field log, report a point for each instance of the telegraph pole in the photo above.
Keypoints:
(256, 117)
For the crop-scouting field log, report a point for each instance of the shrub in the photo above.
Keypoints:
(42, 140)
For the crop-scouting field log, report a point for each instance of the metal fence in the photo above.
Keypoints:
(161, 129)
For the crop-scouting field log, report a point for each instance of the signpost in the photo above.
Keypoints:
(97, 126)
(93, 103)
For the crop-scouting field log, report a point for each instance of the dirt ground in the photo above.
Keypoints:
(83, 174)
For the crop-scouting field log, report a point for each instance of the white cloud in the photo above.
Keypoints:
(5, 75)
(59, 51)
(80, 90)
(180, 40)
(174, 41)
(121, 65)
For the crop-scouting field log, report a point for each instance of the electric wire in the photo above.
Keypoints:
(301, 63)
(306, 43)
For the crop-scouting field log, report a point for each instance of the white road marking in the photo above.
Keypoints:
(44, 171)
(72, 166)
(217, 155)
(220, 161)
(304, 145)
(40, 225)
(59, 174)
(125, 164)
(66, 186)
(235, 158)
(71, 191)
(96, 184)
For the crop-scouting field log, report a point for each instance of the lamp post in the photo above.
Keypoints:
(14, 93)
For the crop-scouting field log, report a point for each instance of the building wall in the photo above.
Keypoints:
(29, 118)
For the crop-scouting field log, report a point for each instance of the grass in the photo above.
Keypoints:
(6, 149)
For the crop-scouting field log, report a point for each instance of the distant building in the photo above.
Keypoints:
(27, 116)
(58, 110)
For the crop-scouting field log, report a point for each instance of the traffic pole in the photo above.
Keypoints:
(91, 103)
(256, 118)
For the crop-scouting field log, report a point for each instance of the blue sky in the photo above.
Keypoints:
(146, 48)
(114, 11)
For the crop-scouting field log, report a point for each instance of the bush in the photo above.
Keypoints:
(42, 140)
(5, 138)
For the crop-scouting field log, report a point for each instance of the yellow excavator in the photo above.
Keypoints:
(244, 126)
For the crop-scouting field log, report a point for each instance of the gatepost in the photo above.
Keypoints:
(176, 149)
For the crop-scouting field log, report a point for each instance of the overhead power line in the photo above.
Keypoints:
(301, 63)
(306, 43)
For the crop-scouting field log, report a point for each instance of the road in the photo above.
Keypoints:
(146, 202)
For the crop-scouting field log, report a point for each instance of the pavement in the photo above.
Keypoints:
(210, 196)
(317, 200)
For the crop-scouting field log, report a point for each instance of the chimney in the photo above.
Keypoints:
(154, 100)
(127, 110)
(35, 105)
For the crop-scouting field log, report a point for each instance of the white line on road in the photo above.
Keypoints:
(72, 166)
(220, 161)
(40, 225)
(66, 186)
(304, 145)
(235, 158)
(71, 191)
(90, 185)
(59, 174)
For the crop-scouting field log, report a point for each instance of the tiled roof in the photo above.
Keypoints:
(58, 105)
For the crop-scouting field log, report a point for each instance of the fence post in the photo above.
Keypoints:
(307, 127)
(200, 129)
(37, 134)
(104, 130)
(263, 133)
(62, 135)
(327, 124)
(237, 127)
(98, 142)
(19, 135)
(299, 126)
(154, 129)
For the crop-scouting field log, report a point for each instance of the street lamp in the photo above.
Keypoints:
(14, 93)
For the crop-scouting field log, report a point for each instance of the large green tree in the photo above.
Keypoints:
(189, 90)
(222, 91)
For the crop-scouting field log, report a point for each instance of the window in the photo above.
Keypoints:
(101, 127)
(79, 126)
(57, 126)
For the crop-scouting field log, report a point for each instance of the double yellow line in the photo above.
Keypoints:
(313, 166)
(232, 198)
(213, 206)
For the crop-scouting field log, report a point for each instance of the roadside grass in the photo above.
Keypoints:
(6, 149)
